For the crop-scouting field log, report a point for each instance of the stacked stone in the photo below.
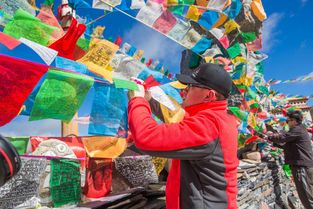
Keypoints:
(263, 183)
(254, 185)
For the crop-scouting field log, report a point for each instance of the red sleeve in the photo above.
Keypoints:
(148, 135)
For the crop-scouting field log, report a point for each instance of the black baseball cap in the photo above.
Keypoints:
(210, 75)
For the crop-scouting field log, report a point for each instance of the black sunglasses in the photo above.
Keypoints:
(199, 86)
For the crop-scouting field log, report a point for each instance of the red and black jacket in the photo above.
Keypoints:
(204, 149)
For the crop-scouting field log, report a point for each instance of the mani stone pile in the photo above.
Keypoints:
(262, 184)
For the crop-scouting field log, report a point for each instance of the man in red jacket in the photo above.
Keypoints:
(203, 146)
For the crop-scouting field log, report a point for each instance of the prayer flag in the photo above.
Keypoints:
(18, 78)
(234, 50)
(104, 146)
(98, 58)
(29, 27)
(109, 111)
(60, 96)
(8, 41)
(150, 13)
(165, 22)
(258, 10)
(202, 45)
(65, 182)
(208, 19)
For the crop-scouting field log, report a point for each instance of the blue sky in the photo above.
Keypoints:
(287, 39)
(289, 43)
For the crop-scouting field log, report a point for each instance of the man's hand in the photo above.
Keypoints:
(137, 93)
(267, 136)
(141, 92)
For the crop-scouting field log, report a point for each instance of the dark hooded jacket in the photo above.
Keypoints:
(298, 147)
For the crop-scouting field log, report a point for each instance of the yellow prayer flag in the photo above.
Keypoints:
(104, 146)
(237, 82)
(139, 54)
(178, 85)
(209, 59)
(239, 59)
(220, 21)
(109, 68)
(258, 10)
(193, 13)
(245, 80)
(171, 116)
(230, 25)
(98, 58)
(251, 120)
(172, 2)
(159, 163)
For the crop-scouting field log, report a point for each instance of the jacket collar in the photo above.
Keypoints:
(217, 105)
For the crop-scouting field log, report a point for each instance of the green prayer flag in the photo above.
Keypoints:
(177, 10)
(291, 108)
(20, 143)
(189, 2)
(260, 68)
(263, 89)
(259, 129)
(120, 83)
(248, 37)
(255, 105)
(60, 96)
(251, 93)
(65, 181)
(83, 43)
(287, 170)
(48, 2)
(242, 115)
(276, 153)
(234, 50)
(27, 26)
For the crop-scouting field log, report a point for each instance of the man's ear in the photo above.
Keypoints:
(210, 96)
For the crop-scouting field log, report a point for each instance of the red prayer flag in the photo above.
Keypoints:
(150, 82)
(149, 62)
(18, 78)
(251, 139)
(66, 45)
(8, 41)
(98, 177)
(78, 53)
(255, 45)
(118, 40)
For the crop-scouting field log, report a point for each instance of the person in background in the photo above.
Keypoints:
(298, 151)
(203, 145)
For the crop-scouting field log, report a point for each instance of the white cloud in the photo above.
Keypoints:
(20, 126)
(269, 31)
(155, 45)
